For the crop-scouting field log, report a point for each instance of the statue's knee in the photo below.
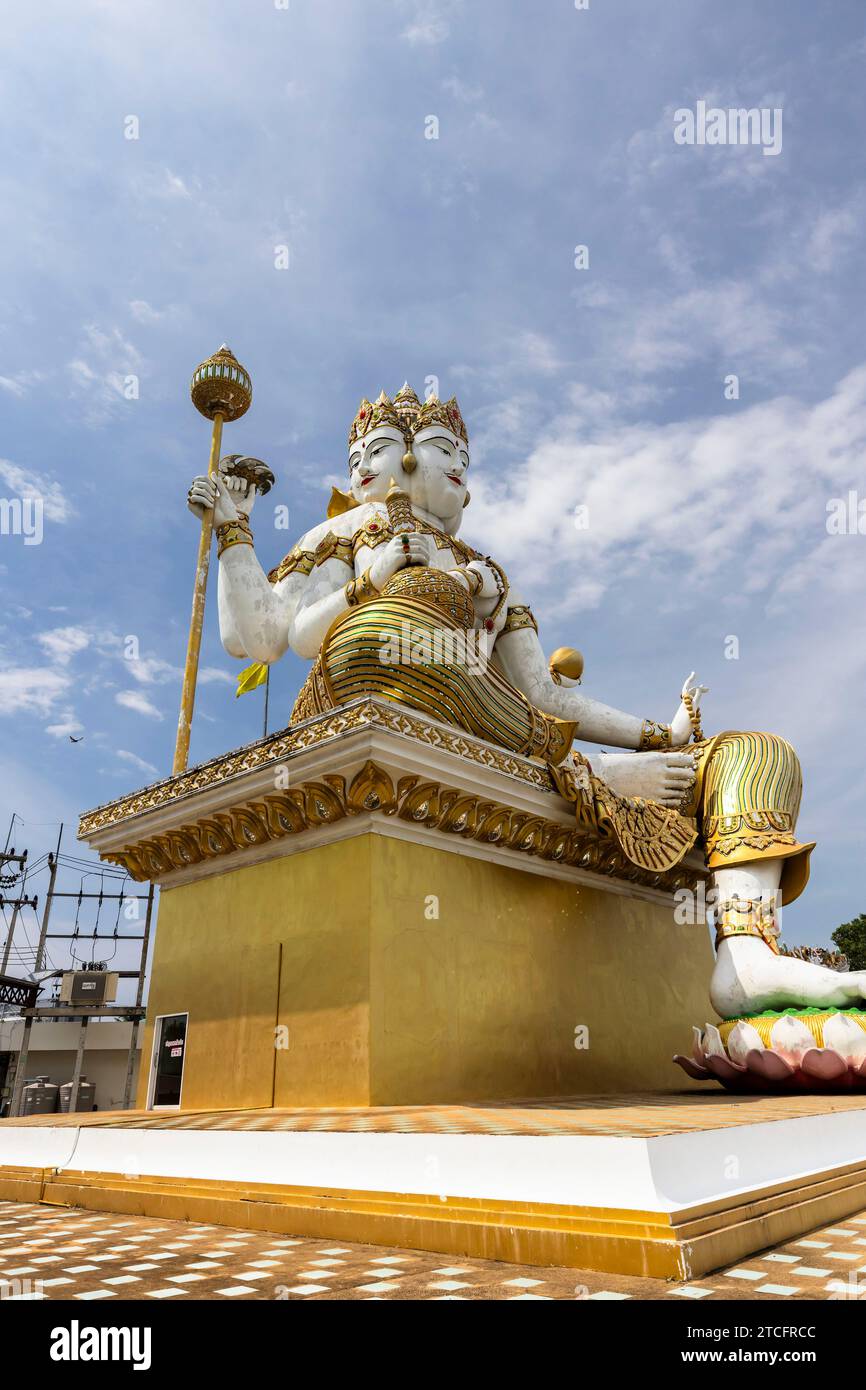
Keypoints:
(781, 751)
(752, 750)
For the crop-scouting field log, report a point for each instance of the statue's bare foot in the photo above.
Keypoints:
(749, 977)
(663, 777)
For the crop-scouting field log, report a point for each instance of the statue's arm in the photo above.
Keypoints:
(521, 660)
(255, 616)
(323, 600)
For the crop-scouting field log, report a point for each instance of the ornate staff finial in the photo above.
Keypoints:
(221, 390)
(221, 386)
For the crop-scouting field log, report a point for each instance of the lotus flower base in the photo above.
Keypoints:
(798, 1050)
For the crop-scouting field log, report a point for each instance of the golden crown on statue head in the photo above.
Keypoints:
(408, 415)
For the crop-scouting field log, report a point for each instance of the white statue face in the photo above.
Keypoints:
(439, 482)
(374, 461)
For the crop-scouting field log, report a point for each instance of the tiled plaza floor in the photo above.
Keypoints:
(66, 1253)
(642, 1115)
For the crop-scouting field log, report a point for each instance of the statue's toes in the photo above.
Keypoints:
(857, 983)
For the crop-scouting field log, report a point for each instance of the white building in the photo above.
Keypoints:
(52, 1052)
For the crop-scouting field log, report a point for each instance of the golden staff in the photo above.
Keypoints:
(221, 390)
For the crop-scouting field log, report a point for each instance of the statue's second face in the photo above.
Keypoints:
(374, 461)
(439, 481)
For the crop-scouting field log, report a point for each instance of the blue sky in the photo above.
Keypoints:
(260, 127)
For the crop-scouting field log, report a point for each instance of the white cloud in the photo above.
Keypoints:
(68, 723)
(462, 91)
(175, 186)
(136, 761)
(215, 675)
(152, 670)
(25, 483)
(742, 495)
(134, 700)
(143, 312)
(429, 24)
(20, 382)
(426, 30)
(29, 689)
(62, 643)
(537, 354)
(834, 235)
(733, 322)
(98, 372)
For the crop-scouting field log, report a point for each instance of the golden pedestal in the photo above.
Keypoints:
(375, 909)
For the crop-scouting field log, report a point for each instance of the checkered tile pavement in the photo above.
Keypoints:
(69, 1254)
(644, 1115)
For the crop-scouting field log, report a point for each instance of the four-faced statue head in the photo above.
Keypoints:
(422, 446)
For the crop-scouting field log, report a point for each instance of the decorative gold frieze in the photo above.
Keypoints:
(373, 790)
(362, 713)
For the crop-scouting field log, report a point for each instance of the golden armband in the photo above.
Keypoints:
(360, 590)
(519, 615)
(230, 533)
(654, 737)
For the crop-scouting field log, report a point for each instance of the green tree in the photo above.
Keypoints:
(850, 939)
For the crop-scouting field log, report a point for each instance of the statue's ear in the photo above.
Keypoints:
(340, 502)
(466, 500)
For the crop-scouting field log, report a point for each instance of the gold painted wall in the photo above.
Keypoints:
(407, 974)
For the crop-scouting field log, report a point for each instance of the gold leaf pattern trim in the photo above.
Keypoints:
(359, 714)
(372, 791)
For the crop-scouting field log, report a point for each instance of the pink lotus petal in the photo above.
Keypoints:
(724, 1068)
(824, 1064)
(769, 1066)
(692, 1069)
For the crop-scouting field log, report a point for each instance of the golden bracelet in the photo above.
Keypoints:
(360, 590)
(654, 736)
(230, 533)
(474, 580)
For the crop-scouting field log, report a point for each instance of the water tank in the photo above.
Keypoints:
(40, 1097)
(86, 1095)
